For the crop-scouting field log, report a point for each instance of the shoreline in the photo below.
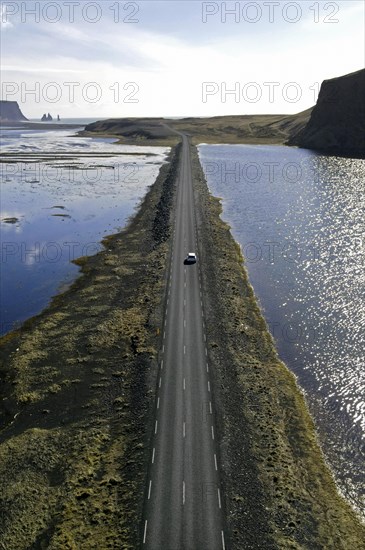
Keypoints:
(263, 404)
(76, 386)
(81, 387)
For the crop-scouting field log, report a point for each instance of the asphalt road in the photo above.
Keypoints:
(183, 507)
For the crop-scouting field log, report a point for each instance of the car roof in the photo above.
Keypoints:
(191, 254)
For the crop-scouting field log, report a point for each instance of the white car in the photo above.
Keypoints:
(190, 258)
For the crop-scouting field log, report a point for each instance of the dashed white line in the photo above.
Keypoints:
(184, 323)
(161, 363)
(207, 367)
(205, 338)
(153, 455)
(208, 385)
(212, 432)
(184, 349)
(206, 351)
(223, 543)
(184, 302)
(183, 492)
(156, 423)
(164, 334)
(145, 532)
(160, 382)
(210, 407)
(184, 384)
(163, 348)
(215, 462)
(184, 429)
(149, 490)
(158, 403)
(219, 499)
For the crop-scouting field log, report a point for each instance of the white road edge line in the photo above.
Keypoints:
(149, 490)
(145, 532)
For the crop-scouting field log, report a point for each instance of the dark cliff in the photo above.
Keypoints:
(337, 122)
(10, 112)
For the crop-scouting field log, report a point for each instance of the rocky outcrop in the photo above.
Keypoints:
(46, 118)
(337, 122)
(10, 112)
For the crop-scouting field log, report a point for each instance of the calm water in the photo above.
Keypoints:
(299, 218)
(60, 196)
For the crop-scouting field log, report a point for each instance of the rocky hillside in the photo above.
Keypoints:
(337, 122)
(10, 112)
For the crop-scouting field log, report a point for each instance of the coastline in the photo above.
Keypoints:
(76, 386)
(81, 387)
(274, 468)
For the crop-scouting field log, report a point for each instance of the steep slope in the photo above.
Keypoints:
(10, 112)
(337, 123)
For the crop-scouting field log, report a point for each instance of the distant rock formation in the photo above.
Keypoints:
(10, 112)
(46, 118)
(337, 123)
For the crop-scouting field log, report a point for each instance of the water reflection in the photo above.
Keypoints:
(299, 218)
(60, 196)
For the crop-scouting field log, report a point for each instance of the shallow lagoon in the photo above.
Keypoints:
(60, 195)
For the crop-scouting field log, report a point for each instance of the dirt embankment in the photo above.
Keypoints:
(75, 381)
(278, 490)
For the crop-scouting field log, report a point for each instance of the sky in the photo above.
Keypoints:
(175, 58)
